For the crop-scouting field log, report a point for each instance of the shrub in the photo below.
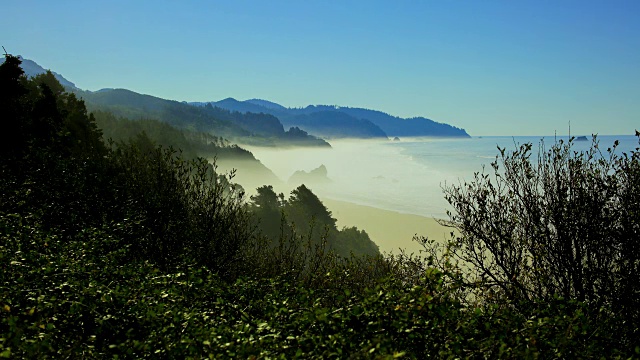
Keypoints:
(563, 225)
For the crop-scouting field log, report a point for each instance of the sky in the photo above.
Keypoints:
(491, 67)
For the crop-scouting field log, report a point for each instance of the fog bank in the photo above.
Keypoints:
(372, 173)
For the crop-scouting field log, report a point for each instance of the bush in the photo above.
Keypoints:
(184, 209)
(565, 225)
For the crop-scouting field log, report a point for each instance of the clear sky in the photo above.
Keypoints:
(491, 67)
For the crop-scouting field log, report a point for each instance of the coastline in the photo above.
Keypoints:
(390, 230)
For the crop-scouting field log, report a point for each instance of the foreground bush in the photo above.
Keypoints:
(78, 299)
(563, 225)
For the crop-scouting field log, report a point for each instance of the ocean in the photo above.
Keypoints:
(407, 176)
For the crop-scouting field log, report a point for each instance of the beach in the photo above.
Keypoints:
(390, 230)
(377, 185)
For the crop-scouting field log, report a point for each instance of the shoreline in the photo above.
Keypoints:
(390, 208)
(390, 230)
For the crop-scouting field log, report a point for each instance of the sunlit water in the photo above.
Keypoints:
(405, 176)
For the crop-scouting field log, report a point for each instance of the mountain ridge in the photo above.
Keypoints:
(377, 121)
(325, 121)
(251, 128)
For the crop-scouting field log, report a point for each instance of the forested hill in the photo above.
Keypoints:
(257, 129)
(323, 124)
(397, 126)
(331, 124)
(345, 121)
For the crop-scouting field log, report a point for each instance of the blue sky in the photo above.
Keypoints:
(491, 67)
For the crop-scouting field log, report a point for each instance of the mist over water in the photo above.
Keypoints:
(404, 176)
(381, 174)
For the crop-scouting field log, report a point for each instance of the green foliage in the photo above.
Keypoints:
(268, 210)
(84, 297)
(305, 217)
(303, 205)
(131, 251)
(183, 208)
(353, 240)
(177, 211)
(565, 225)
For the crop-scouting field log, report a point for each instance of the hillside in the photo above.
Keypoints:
(327, 125)
(256, 121)
(255, 129)
(337, 121)
(251, 173)
(330, 125)
(397, 126)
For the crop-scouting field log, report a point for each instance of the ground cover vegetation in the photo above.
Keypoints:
(129, 249)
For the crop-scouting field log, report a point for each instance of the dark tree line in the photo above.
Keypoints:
(306, 216)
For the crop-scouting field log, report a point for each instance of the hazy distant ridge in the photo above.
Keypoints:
(318, 123)
(397, 126)
(230, 117)
(259, 128)
(336, 121)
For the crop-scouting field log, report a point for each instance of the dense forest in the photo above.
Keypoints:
(115, 243)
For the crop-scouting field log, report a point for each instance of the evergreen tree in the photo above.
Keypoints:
(303, 204)
(12, 137)
(268, 209)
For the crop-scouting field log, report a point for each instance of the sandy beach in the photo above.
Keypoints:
(389, 229)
